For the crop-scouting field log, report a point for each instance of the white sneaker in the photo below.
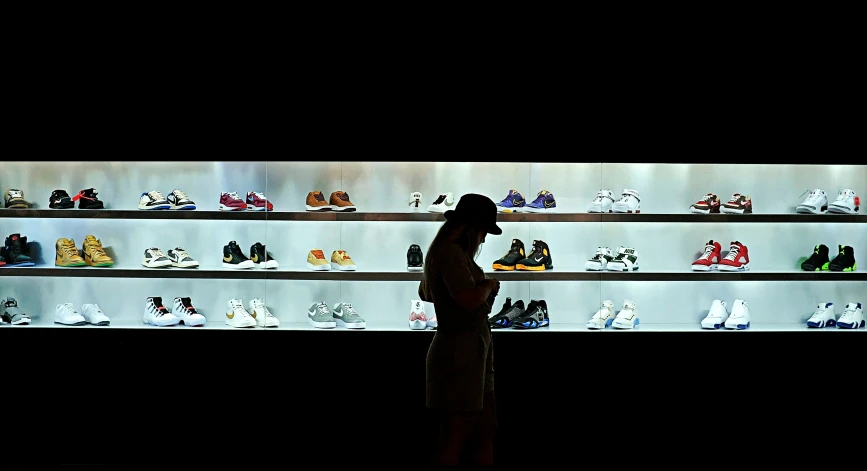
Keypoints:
(600, 259)
(823, 316)
(415, 201)
(717, 315)
(625, 260)
(627, 318)
(629, 202)
(345, 316)
(816, 203)
(183, 309)
(443, 203)
(263, 316)
(417, 317)
(602, 203)
(155, 258)
(603, 318)
(157, 314)
(740, 317)
(237, 316)
(181, 259)
(852, 318)
(847, 202)
(153, 200)
(94, 315)
(320, 317)
(67, 315)
(431, 320)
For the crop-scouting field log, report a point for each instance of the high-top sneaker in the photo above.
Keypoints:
(237, 316)
(627, 318)
(15, 199)
(707, 204)
(260, 256)
(507, 304)
(417, 316)
(67, 254)
(847, 202)
(816, 203)
(823, 316)
(87, 199)
(512, 203)
(94, 254)
(845, 260)
(602, 203)
(709, 260)
(818, 260)
(263, 316)
(506, 317)
(233, 257)
(600, 259)
(443, 203)
(604, 317)
(415, 202)
(716, 316)
(16, 252)
(414, 258)
(544, 203)
(738, 204)
(538, 260)
(157, 314)
(852, 317)
(183, 309)
(625, 260)
(739, 319)
(534, 317)
(60, 199)
(738, 258)
(12, 314)
(513, 256)
(629, 202)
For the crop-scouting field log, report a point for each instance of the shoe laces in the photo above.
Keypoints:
(238, 308)
(69, 247)
(706, 198)
(180, 195)
(157, 252)
(181, 253)
(601, 195)
(708, 252)
(259, 194)
(68, 308)
(233, 195)
(350, 311)
(96, 310)
(734, 249)
(322, 308)
(259, 305)
(156, 195)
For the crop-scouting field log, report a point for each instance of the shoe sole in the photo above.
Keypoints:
(744, 267)
(239, 266)
(317, 208)
(339, 267)
(498, 266)
(159, 206)
(70, 264)
(322, 325)
(232, 208)
(352, 325)
(318, 267)
(534, 268)
(714, 266)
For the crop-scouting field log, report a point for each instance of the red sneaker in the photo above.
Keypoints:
(738, 258)
(258, 202)
(709, 260)
(708, 204)
(231, 202)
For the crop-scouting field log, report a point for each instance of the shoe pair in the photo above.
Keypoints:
(177, 199)
(16, 252)
(257, 314)
(737, 259)
(87, 199)
(626, 259)
(67, 254)
(255, 201)
(339, 201)
(183, 311)
(343, 315)
(65, 314)
(340, 260)
(627, 318)
(819, 260)
(234, 258)
(516, 316)
(177, 257)
(823, 316)
(514, 202)
(604, 202)
(847, 202)
(718, 316)
(538, 260)
(12, 314)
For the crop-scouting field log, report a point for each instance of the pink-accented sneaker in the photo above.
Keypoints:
(257, 201)
(231, 202)
(417, 316)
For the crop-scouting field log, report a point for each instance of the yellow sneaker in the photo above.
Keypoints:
(340, 260)
(316, 260)
(67, 254)
(94, 255)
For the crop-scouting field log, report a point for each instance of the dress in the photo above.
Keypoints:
(460, 360)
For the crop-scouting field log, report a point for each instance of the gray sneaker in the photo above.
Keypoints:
(346, 316)
(319, 316)
(13, 314)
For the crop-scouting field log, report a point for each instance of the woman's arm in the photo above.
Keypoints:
(471, 298)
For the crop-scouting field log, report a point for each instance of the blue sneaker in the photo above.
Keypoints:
(512, 203)
(544, 203)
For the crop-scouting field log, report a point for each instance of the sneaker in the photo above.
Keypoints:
(94, 315)
(2, 259)
(738, 258)
(716, 316)
(818, 260)
(60, 199)
(627, 318)
(507, 315)
(852, 317)
(600, 259)
(181, 259)
(157, 314)
(512, 203)
(443, 203)
(625, 260)
(15, 199)
(544, 203)
(183, 309)
(707, 204)
(414, 258)
(845, 260)
(316, 202)
(432, 320)
(709, 260)
(417, 316)
(816, 203)
(823, 316)
(263, 316)
(16, 252)
(67, 254)
(231, 202)
(629, 202)
(12, 314)
(602, 203)
(237, 316)
(261, 257)
(345, 316)
(179, 200)
(341, 261)
(738, 204)
(316, 260)
(739, 319)
(94, 254)
(534, 317)
(603, 318)
(847, 202)
(153, 200)
(257, 201)
(415, 201)
(509, 261)
(66, 314)
(87, 199)
(340, 201)
(234, 258)
(538, 260)
(155, 258)
(320, 317)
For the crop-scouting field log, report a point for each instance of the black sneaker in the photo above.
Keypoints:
(845, 260)
(87, 199)
(233, 257)
(260, 256)
(818, 261)
(512, 257)
(506, 317)
(16, 253)
(60, 199)
(414, 258)
(538, 260)
(534, 317)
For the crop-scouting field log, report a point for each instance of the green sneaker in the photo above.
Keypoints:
(845, 260)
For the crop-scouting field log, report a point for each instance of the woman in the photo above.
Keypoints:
(460, 361)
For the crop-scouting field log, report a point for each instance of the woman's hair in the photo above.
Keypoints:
(468, 240)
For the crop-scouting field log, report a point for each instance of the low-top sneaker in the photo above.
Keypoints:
(230, 201)
(94, 315)
(707, 204)
(181, 259)
(256, 201)
(153, 200)
(66, 314)
(320, 317)
(339, 201)
(823, 316)
(179, 200)
(341, 261)
(443, 203)
(15, 199)
(604, 317)
(155, 258)
(738, 204)
(345, 316)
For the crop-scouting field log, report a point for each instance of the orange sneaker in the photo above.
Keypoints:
(316, 202)
(340, 201)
